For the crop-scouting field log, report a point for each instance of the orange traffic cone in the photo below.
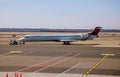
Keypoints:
(20, 74)
(15, 74)
(6, 74)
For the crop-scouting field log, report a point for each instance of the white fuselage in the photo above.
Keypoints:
(59, 38)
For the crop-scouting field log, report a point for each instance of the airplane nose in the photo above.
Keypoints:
(20, 39)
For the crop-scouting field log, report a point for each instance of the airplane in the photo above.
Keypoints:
(66, 39)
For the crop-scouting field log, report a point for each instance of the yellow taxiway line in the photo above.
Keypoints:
(98, 63)
(13, 52)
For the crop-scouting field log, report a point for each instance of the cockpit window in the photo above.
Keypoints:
(26, 36)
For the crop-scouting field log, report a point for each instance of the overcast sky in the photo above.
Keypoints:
(63, 14)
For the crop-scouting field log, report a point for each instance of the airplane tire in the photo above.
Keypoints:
(66, 43)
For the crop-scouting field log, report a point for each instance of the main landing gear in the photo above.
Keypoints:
(66, 43)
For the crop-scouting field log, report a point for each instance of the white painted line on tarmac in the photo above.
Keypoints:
(53, 64)
(62, 74)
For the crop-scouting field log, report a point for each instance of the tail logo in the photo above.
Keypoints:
(96, 30)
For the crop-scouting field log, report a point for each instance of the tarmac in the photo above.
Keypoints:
(53, 60)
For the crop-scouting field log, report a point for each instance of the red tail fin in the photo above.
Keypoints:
(96, 31)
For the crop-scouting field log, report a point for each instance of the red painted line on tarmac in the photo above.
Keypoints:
(35, 65)
(54, 64)
(41, 63)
